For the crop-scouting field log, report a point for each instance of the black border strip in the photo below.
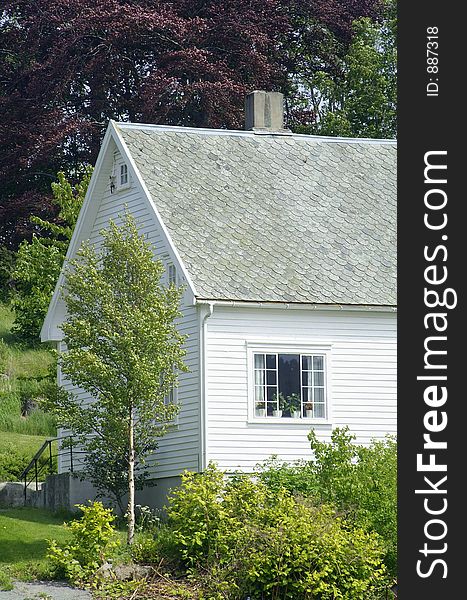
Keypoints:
(431, 236)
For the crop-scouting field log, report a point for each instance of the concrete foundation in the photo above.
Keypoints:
(12, 495)
(156, 496)
(65, 490)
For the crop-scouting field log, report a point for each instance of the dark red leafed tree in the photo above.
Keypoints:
(67, 66)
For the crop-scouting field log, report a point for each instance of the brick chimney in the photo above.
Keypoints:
(264, 112)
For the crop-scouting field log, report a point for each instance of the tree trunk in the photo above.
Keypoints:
(131, 482)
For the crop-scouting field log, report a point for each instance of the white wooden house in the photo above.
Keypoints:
(287, 247)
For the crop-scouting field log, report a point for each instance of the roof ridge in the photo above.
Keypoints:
(243, 133)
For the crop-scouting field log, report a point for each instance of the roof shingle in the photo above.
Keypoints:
(275, 218)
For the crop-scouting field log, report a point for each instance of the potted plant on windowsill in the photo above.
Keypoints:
(282, 404)
(308, 408)
(260, 409)
(293, 404)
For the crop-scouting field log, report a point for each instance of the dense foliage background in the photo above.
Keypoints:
(66, 68)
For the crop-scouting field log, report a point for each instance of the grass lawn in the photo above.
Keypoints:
(20, 360)
(6, 321)
(23, 447)
(23, 545)
(26, 444)
(23, 368)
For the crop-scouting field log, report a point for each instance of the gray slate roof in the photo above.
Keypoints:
(279, 218)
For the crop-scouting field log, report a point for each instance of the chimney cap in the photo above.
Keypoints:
(264, 112)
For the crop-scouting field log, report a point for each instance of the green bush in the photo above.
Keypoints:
(93, 540)
(7, 263)
(196, 515)
(310, 553)
(298, 477)
(240, 537)
(377, 500)
(360, 482)
(12, 463)
(151, 547)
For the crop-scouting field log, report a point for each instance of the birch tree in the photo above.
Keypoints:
(123, 348)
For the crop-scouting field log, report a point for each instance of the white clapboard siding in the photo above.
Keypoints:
(179, 449)
(362, 379)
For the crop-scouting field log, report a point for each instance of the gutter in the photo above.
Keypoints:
(204, 315)
(297, 305)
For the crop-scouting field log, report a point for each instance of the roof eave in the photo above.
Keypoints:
(297, 305)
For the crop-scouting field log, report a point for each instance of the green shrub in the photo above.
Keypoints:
(240, 537)
(360, 482)
(93, 540)
(310, 553)
(298, 477)
(377, 500)
(149, 548)
(12, 463)
(7, 263)
(196, 515)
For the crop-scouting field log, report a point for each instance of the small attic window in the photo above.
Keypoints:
(172, 274)
(120, 178)
(123, 179)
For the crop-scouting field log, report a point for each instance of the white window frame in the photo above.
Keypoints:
(119, 165)
(171, 273)
(123, 176)
(174, 399)
(292, 348)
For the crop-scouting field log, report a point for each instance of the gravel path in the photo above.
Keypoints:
(44, 590)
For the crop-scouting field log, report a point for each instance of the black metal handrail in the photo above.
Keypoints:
(39, 468)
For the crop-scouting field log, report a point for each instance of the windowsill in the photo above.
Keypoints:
(289, 421)
(122, 188)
